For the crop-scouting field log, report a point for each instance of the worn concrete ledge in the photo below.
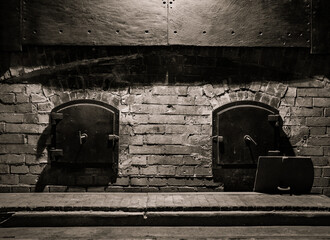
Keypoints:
(162, 209)
(139, 202)
(205, 218)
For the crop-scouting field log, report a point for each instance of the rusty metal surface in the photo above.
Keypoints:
(83, 134)
(284, 174)
(95, 22)
(282, 23)
(10, 25)
(320, 26)
(237, 123)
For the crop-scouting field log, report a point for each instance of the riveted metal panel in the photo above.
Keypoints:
(320, 26)
(275, 23)
(81, 135)
(10, 25)
(95, 22)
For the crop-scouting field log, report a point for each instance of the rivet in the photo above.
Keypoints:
(60, 31)
(204, 32)
(175, 32)
(117, 31)
(89, 31)
(146, 31)
(232, 33)
(260, 33)
(34, 31)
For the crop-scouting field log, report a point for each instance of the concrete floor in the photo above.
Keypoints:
(269, 232)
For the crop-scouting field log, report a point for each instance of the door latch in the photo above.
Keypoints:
(82, 137)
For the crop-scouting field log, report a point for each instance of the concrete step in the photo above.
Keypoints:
(162, 209)
(230, 218)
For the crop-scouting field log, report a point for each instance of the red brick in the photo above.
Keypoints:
(95, 189)
(57, 188)
(317, 172)
(179, 129)
(9, 179)
(150, 170)
(199, 140)
(150, 109)
(321, 182)
(21, 189)
(11, 118)
(25, 108)
(22, 98)
(36, 169)
(165, 160)
(327, 151)
(31, 118)
(7, 108)
(143, 129)
(139, 182)
(185, 171)
(139, 160)
(76, 189)
(157, 181)
(12, 159)
(131, 140)
(310, 151)
(319, 141)
(313, 92)
(114, 189)
(203, 171)
(45, 107)
(164, 149)
(326, 172)
(166, 139)
(166, 170)
(16, 88)
(318, 130)
(327, 112)
(320, 161)
(36, 98)
(176, 181)
(321, 102)
(195, 91)
(318, 121)
(7, 98)
(307, 112)
(168, 119)
(18, 149)
(197, 120)
(170, 90)
(304, 102)
(194, 182)
(152, 99)
(122, 181)
(5, 189)
(19, 169)
(11, 138)
(2, 128)
(24, 128)
(4, 168)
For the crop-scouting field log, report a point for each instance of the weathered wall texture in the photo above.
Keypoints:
(166, 96)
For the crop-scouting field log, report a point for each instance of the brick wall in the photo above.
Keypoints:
(166, 96)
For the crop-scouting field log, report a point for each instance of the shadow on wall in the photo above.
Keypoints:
(60, 176)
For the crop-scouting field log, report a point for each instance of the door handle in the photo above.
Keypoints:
(248, 139)
(82, 137)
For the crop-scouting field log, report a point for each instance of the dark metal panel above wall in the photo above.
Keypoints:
(10, 25)
(320, 26)
(275, 23)
(95, 22)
